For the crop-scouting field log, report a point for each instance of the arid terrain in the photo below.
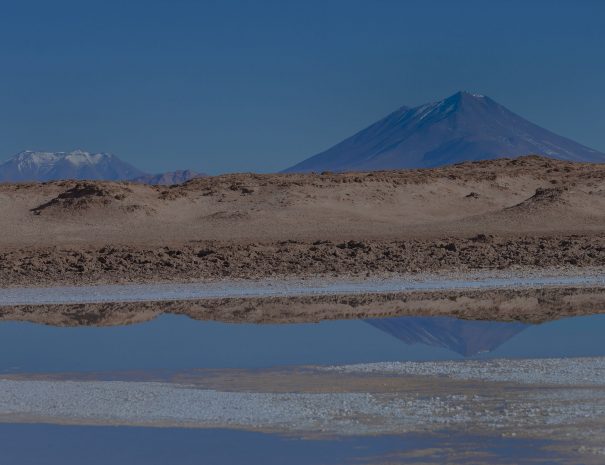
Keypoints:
(529, 213)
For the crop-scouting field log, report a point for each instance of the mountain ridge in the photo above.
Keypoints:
(168, 178)
(42, 166)
(462, 127)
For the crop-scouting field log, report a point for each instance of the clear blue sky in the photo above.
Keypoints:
(222, 86)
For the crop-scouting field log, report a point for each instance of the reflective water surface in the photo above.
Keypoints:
(31, 352)
(177, 342)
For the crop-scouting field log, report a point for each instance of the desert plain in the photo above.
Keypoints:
(508, 217)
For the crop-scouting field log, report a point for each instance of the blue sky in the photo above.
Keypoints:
(221, 86)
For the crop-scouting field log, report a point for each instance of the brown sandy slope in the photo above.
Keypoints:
(530, 212)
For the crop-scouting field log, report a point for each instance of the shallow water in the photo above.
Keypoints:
(178, 342)
(266, 288)
(141, 372)
(75, 445)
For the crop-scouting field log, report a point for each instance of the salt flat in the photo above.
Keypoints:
(554, 397)
(284, 288)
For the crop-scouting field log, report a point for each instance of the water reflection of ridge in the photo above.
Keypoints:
(461, 336)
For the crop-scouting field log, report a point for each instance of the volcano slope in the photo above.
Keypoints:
(507, 214)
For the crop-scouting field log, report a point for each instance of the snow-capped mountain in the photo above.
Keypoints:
(465, 337)
(48, 166)
(169, 178)
(459, 128)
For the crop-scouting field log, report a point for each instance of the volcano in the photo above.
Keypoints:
(462, 127)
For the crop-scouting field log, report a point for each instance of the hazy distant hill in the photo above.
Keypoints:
(49, 166)
(463, 127)
(81, 165)
(170, 178)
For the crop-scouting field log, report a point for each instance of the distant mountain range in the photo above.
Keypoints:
(464, 337)
(463, 127)
(170, 178)
(50, 166)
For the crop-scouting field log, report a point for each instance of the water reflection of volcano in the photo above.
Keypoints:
(462, 336)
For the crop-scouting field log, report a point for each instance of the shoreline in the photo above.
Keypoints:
(292, 287)
(529, 305)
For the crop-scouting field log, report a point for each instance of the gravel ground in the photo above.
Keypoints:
(572, 407)
(588, 371)
(164, 404)
(281, 288)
